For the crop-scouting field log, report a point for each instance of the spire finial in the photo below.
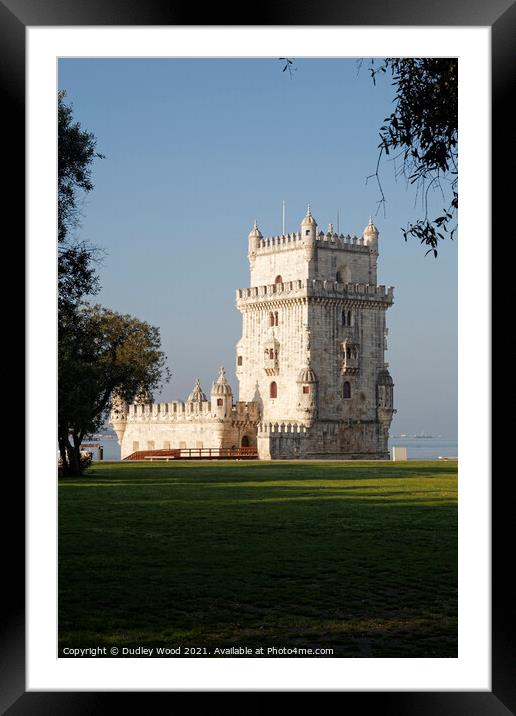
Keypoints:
(308, 212)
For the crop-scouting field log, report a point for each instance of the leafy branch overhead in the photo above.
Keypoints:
(423, 131)
(289, 65)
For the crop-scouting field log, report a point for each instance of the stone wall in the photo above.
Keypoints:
(208, 433)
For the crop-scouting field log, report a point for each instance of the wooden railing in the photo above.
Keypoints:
(241, 453)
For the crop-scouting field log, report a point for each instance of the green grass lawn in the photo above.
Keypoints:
(360, 557)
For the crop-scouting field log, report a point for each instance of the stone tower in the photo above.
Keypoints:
(313, 341)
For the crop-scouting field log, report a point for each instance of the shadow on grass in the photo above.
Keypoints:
(227, 555)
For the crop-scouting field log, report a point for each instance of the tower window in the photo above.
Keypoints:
(306, 389)
(349, 318)
(307, 232)
(276, 318)
(271, 319)
(346, 391)
(344, 318)
(278, 279)
(338, 277)
(273, 390)
(220, 401)
(239, 360)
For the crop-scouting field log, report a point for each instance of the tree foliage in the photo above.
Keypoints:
(76, 152)
(76, 259)
(422, 131)
(101, 353)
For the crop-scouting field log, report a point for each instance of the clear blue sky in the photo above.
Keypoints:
(196, 150)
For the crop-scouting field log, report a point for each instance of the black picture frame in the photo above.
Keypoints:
(500, 16)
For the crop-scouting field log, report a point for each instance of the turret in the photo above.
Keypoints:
(309, 236)
(370, 236)
(309, 228)
(255, 236)
(221, 396)
(384, 398)
(118, 416)
(384, 403)
(196, 396)
(307, 383)
(331, 233)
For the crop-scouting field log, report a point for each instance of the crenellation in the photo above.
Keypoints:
(314, 287)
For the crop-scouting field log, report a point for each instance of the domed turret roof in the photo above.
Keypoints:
(197, 396)
(307, 374)
(370, 229)
(255, 232)
(384, 377)
(221, 385)
(309, 219)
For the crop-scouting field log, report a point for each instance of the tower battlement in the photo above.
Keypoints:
(315, 288)
(323, 240)
(177, 410)
(313, 254)
(181, 410)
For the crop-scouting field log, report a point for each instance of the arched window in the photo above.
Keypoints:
(276, 318)
(274, 390)
(245, 441)
(278, 279)
(346, 391)
(349, 318)
(344, 318)
(271, 318)
(338, 277)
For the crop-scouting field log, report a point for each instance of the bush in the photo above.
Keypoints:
(86, 459)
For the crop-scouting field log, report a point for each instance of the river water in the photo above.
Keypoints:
(417, 448)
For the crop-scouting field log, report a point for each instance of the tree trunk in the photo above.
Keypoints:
(74, 460)
(77, 440)
(63, 454)
(70, 455)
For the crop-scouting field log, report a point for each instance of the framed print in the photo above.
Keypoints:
(47, 48)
